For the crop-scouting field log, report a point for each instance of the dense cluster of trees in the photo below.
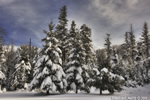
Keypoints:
(130, 59)
(68, 61)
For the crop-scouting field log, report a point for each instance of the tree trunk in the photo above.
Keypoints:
(30, 49)
(47, 92)
(76, 89)
(100, 91)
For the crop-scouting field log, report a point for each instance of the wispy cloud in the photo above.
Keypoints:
(28, 22)
(26, 19)
(115, 17)
(6, 2)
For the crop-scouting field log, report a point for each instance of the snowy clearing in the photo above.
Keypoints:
(128, 94)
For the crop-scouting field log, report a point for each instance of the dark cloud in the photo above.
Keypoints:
(24, 19)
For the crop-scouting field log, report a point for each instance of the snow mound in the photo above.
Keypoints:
(2, 76)
(104, 70)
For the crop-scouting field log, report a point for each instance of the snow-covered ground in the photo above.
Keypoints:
(139, 93)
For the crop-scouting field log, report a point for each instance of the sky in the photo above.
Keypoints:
(25, 19)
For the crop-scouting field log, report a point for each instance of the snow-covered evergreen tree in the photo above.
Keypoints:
(22, 68)
(146, 71)
(2, 35)
(90, 57)
(132, 44)
(62, 33)
(108, 50)
(33, 56)
(10, 64)
(116, 64)
(126, 48)
(21, 74)
(2, 78)
(49, 75)
(145, 40)
(87, 44)
(75, 71)
(106, 80)
(2, 65)
(70, 41)
(107, 76)
(145, 49)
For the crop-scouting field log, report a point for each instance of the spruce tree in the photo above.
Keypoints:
(2, 35)
(127, 38)
(116, 64)
(22, 68)
(10, 64)
(101, 63)
(2, 78)
(132, 44)
(21, 74)
(126, 46)
(2, 65)
(33, 54)
(126, 49)
(30, 47)
(90, 58)
(62, 33)
(145, 39)
(87, 44)
(75, 65)
(2, 59)
(108, 50)
(104, 78)
(49, 75)
(70, 41)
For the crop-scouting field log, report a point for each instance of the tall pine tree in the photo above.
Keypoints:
(146, 44)
(22, 68)
(70, 41)
(145, 39)
(2, 35)
(10, 64)
(62, 33)
(90, 57)
(132, 44)
(75, 65)
(108, 50)
(87, 44)
(2, 42)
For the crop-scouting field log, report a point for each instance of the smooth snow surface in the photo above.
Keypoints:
(127, 93)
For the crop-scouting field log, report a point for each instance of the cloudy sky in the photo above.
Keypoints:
(25, 19)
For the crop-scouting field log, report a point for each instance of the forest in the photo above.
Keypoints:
(68, 62)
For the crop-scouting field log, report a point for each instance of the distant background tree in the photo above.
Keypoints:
(108, 50)
(10, 64)
(2, 36)
(22, 68)
(132, 44)
(145, 37)
(2, 52)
